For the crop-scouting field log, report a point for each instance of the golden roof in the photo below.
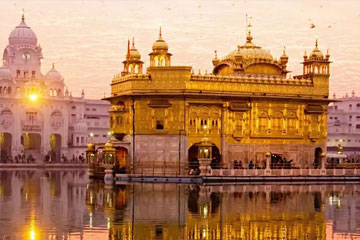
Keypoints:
(249, 52)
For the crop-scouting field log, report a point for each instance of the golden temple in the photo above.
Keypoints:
(247, 106)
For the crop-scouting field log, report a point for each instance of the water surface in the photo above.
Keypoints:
(66, 205)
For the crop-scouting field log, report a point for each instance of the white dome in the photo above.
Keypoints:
(22, 35)
(54, 75)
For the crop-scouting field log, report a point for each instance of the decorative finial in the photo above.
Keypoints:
(133, 42)
(22, 15)
(160, 35)
(316, 43)
(53, 65)
(215, 54)
(284, 50)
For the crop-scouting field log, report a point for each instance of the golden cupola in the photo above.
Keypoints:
(249, 59)
(316, 63)
(160, 57)
(134, 53)
(316, 54)
(216, 60)
(132, 63)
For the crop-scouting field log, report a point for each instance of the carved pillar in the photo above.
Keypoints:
(223, 134)
(322, 162)
(268, 162)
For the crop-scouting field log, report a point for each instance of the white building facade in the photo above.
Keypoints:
(38, 114)
(344, 124)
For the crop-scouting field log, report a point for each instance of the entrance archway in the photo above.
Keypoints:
(55, 147)
(31, 143)
(204, 151)
(122, 161)
(317, 157)
(5, 146)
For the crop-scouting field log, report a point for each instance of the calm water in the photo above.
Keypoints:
(66, 205)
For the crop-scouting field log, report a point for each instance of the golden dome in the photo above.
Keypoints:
(90, 147)
(109, 145)
(160, 44)
(316, 53)
(249, 53)
(284, 58)
(134, 53)
(216, 60)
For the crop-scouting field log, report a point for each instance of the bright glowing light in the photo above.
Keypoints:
(206, 210)
(32, 234)
(91, 134)
(204, 233)
(33, 97)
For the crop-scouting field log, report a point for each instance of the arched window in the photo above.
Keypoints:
(136, 69)
(59, 92)
(0, 90)
(9, 90)
(4, 90)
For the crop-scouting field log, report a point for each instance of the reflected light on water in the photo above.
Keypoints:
(87, 210)
(32, 234)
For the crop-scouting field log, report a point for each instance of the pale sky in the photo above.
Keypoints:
(87, 39)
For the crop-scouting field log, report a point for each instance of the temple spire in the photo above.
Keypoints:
(248, 30)
(22, 15)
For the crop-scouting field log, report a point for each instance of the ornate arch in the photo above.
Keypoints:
(6, 118)
(56, 120)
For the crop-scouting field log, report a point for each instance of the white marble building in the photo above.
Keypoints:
(344, 124)
(38, 114)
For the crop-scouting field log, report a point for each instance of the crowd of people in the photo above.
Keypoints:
(20, 158)
(51, 157)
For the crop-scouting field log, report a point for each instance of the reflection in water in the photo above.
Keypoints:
(64, 205)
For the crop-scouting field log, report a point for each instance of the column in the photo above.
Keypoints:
(268, 162)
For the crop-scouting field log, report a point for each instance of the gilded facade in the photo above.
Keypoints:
(247, 106)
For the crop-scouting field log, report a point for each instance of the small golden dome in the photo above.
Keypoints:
(109, 145)
(316, 53)
(134, 53)
(216, 60)
(90, 147)
(160, 44)
(284, 58)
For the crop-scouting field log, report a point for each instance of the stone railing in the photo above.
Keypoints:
(132, 76)
(283, 172)
(253, 79)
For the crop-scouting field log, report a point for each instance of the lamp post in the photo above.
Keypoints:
(109, 161)
(90, 158)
